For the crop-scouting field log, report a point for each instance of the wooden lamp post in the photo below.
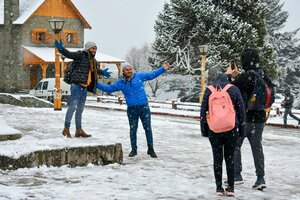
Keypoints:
(56, 26)
(203, 51)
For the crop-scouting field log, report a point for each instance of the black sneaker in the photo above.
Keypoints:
(260, 183)
(230, 192)
(151, 153)
(238, 179)
(132, 153)
(220, 191)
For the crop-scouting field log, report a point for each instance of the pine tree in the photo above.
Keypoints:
(286, 44)
(228, 27)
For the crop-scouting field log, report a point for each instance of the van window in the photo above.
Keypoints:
(45, 85)
(39, 86)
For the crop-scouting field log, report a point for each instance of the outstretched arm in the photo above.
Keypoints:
(155, 73)
(108, 88)
(72, 55)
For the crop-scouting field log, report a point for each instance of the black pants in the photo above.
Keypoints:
(223, 145)
(288, 111)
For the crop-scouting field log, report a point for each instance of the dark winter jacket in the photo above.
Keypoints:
(245, 82)
(133, 89)
(288, 101)
(237, 102)
(82, 61)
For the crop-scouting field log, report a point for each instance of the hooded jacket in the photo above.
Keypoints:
(133, 88)
(237, 102)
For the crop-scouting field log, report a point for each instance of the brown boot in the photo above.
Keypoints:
(81, 133)
(66, 133)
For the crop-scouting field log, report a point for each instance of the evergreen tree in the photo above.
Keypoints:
(228, 27)
(286, 44)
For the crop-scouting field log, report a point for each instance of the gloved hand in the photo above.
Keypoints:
(106, 73)
(59, 45)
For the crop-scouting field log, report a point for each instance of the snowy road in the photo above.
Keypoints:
(183, 169)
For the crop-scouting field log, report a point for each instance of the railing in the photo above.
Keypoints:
(174, 104)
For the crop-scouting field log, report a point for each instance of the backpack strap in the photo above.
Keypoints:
(211, 88)
(227, 87)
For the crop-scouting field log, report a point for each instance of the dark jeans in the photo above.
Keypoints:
(254, 134)
(223, 145)
(76, 102)
(288, 111)
(142, 112)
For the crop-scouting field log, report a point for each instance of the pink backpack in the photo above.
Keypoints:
(221, 114)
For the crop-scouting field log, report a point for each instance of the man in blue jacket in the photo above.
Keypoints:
(132, 86)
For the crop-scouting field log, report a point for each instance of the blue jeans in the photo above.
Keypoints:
(142, 112)
(76, 102)
(254, 133)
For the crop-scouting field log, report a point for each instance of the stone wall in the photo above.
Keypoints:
(25, 101)
(72, 156)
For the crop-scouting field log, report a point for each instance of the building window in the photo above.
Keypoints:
(69, 37)
(40, 35)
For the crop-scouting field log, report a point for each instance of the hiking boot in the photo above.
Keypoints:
(220, 191)
(230, 191)
(260, 183)
(132, 153)
(66, 133)
(81, 133)
(151, 152)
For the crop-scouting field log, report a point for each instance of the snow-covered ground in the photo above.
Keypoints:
(183, 169)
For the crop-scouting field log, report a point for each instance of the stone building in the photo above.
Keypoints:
(27, 41)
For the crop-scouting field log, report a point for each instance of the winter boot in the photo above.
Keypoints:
(151, 152)
(220, 191)
(132, 153)
(260, 183)
(81, 133)
(230, 192)
(66, 133)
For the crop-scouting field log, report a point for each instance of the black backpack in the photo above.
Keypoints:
(68, 72)
(263, 95)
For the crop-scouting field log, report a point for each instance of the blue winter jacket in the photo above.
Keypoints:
(237, 101)
(132, 89)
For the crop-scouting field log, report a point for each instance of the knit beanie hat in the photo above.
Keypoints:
(89, 45)
(124, 65)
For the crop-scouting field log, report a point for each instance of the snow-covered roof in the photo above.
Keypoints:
(27, 7)
(47, 54)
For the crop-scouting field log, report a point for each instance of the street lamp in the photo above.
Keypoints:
(203, 51)
(56, 26)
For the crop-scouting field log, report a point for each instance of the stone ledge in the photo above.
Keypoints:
(10, 136)
(72, 156)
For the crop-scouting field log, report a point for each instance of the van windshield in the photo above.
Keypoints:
(39, 86)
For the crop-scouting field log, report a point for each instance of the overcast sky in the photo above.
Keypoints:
(118, 25)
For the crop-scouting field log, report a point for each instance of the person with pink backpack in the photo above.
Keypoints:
(222, 119)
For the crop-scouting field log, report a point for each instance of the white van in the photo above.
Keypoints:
(44, 89)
